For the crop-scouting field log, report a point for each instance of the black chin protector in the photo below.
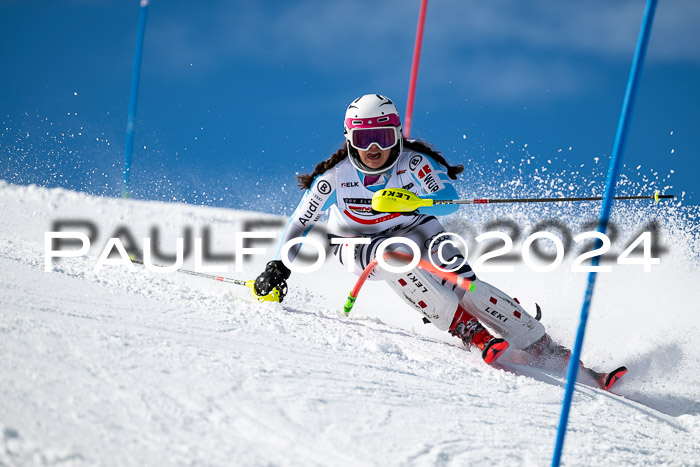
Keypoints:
(357, 161)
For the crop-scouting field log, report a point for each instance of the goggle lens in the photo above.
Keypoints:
(363, 138)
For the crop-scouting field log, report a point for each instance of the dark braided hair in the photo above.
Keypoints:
(306, 180)
(423, 148)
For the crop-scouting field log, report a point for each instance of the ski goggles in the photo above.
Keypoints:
(362, 133)
(384, 137)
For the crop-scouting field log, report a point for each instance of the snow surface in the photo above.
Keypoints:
(139, 368)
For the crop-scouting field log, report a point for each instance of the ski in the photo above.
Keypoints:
(607, 380)
(273, 296)
(493, 349)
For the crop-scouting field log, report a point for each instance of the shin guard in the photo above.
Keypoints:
(503, 314)
(437, 303)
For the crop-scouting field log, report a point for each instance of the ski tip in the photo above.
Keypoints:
(493, 349)
(609, 379)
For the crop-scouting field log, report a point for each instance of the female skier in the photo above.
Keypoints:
(376, 156)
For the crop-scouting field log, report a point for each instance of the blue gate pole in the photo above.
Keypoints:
(613, 172)
(135, 75)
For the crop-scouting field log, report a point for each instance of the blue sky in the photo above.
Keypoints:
(236, 97)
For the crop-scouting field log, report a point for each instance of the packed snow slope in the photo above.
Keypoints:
(121, 367)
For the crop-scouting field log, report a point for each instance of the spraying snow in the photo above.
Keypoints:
(129, 368)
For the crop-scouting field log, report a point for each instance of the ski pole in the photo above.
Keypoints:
(200, 274)
(656, 197)
(401, 200)
(350, 302)
(271, 297)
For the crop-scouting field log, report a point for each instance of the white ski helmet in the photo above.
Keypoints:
(373, 119)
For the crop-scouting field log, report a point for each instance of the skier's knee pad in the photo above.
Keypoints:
(423, 293)
(500, 312)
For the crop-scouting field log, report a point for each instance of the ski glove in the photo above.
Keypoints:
(274, 277)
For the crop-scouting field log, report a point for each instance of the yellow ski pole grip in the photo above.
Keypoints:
(398, 200)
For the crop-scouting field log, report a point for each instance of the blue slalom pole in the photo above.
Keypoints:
(135, 75)
(613, 172)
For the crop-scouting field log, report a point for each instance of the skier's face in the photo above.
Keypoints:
(374, 157)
